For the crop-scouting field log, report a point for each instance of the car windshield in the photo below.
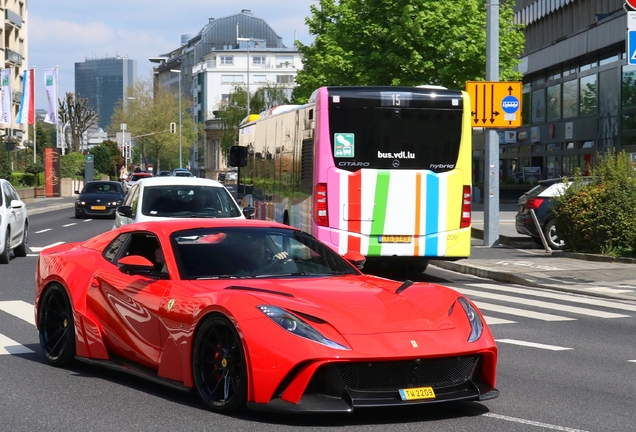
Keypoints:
(216, 253)
(103, 188)
(188, 201)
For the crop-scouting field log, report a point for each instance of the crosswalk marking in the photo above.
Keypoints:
(494, 321)
(532, 344)
(542, 304)
(558, 296)
(9, 346)
(20, 309)
(521, 312)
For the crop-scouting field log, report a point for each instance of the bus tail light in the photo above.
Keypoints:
(466, 216)
(320, 205)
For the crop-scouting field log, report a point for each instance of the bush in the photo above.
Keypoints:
(597, 216)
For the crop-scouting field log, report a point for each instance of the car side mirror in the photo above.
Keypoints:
(355, 258)
(125, 211)
(16, 204)
(248, 212)
(135, 265)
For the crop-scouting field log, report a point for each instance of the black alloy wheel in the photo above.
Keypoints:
(56, 326)
(4, 255)
(22, 249)
(218, 365)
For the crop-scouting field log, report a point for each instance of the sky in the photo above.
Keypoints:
(64, 32)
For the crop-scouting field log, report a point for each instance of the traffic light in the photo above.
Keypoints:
(173, 127)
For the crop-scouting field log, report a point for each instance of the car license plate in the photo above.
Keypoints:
(394, 239)
(417, 393)
(98, 207)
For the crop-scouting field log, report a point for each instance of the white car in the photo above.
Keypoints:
(159, 198)
(14, 223)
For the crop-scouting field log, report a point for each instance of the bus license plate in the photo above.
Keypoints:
(98, 207)
(394, 239)
(417, 393)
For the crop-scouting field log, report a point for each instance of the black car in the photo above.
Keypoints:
(539, 199)
(99, 198)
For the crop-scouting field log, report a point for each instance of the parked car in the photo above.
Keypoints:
(181, 172)
(261, 315)
(135, 177)
(539, 199)
(14, 223)
(99, 198)
(176, 197)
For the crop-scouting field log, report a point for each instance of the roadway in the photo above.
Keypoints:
(565, 362)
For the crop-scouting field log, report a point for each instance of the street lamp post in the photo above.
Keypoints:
(180, 124)
(248, 40)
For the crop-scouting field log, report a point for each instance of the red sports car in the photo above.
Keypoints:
(258, 314)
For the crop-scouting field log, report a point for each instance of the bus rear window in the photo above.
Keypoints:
(395, 138)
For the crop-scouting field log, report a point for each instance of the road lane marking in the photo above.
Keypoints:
(42, 231)
(542, 304)
(532, 423)
(68, 225)
(492, 320)
(9, 346)
(40, 249)
(521, 312)
(532, 344)
(558, 296)
(19, 309)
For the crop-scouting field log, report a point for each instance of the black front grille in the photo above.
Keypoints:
(377, 376)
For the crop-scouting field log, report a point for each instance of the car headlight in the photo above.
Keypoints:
(115, 203)
(81, 202)
(476, 325)
(296, 326)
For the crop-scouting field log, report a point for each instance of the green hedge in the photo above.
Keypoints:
(597, 215)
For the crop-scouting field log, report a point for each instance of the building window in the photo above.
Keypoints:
(525, 104)
(258, 78)
(284, 61)
(554, 102)
(588, 95)
(225, 97)
(570, 99)
(258, 60)
(538, 106)
(232, 79)
(227, 60)
(284, 79)
(608, 60)
(628, 87)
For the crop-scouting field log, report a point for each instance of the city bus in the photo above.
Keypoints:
(381, 170)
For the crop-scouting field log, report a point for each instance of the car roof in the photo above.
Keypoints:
(164, 181)
(168, 226)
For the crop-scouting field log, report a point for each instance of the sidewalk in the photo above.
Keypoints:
(530, 265)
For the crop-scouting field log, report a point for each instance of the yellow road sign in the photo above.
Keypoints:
(495, 104)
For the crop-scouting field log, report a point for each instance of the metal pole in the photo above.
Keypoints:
(248, 77)
(491, 157)
(180, 125)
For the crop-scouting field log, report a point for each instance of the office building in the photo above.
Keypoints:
(103, 83)
(579, 94)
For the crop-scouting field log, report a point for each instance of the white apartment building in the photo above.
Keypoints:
(13, 42)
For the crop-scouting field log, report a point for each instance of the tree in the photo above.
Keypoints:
(79, 114)
(403, 42)
(148, 112)
(234, 110)
(107, 158)
(5, 164)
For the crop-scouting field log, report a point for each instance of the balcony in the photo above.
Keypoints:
(12, 57)
(13, 18)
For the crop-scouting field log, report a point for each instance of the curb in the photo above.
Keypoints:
(49, 208)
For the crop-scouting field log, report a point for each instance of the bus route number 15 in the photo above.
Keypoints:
(396, 99)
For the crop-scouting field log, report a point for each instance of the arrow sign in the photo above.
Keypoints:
(495, 104)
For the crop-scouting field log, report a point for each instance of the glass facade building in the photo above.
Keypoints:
(103, 82)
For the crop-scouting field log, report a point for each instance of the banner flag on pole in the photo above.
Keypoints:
(5, 82)
(51, 94)
(27, 109)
